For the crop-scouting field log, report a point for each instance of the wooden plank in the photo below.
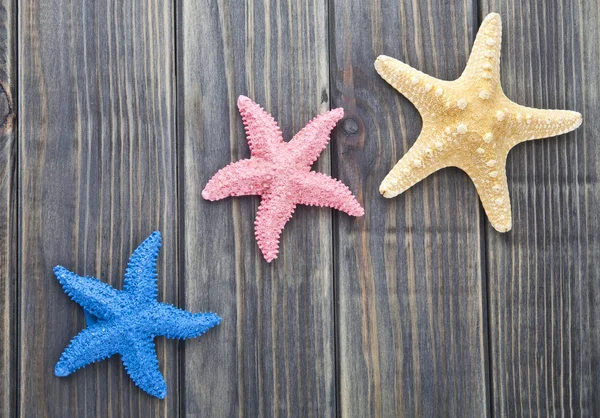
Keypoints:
(412, 319)
(97, 176)
(274, 351)
(8, 208)
(543, 277)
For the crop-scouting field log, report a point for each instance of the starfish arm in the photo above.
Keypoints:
(493, 193)
(308, 144)
(141, 364)
(262, 131)
(141, 277)
(93, 344)
(274, 211)
(484, 61)
(242, 178)
(318, 189)
(527, 123)
(92, 294)
(423, 91)
(425, 157)
(176, 323)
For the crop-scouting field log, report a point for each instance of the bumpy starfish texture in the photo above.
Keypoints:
(469, 123)
(126, 321)
(279, 171)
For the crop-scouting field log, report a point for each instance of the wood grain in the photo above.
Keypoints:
(411, 324)
(543, 276)
(273, 354)
(8, 212)
(127, 108)
(97, 176)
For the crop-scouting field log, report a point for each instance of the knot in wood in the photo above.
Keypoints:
(350, 126)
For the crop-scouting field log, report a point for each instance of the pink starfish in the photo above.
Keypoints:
(280, 172)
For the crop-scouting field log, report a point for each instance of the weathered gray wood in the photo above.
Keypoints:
(544, 280)
(97, 176)
(411, 323)
(98, 172)
(273, 354)
(8, 208)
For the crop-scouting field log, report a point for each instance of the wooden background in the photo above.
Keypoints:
(116, 113)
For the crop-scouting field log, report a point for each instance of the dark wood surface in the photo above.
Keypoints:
(274, 351)
(8, 213)
(411, 291)
(543, 277)
(125, 109)
(97, 171)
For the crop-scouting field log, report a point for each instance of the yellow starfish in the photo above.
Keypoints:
(469, 123)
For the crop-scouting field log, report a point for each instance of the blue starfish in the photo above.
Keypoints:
(126, 321)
